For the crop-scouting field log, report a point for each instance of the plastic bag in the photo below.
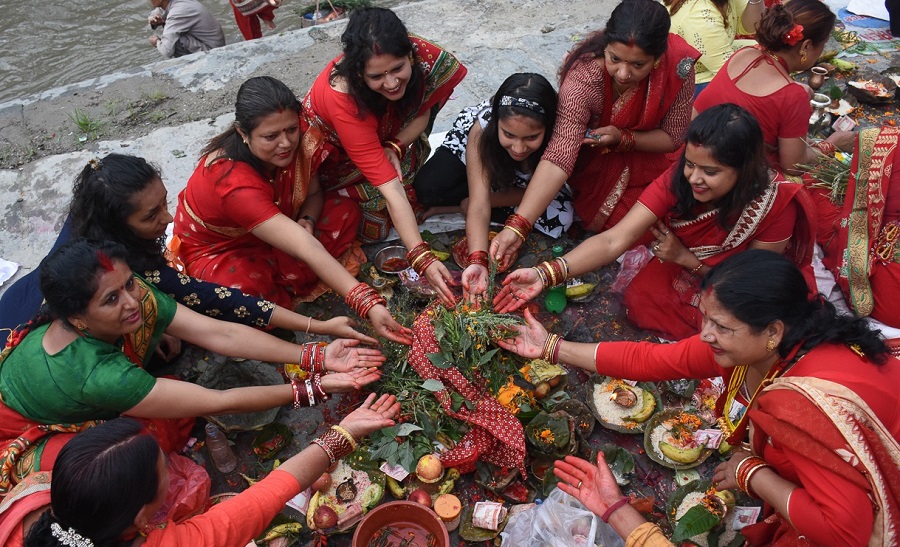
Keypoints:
(632, 262)
(561, 521)
(188, 490)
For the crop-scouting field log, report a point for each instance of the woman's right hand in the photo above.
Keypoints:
(844, 140)
(529, 339)
(518, 288)
(504, 247)
(371, 416)
(474, 282)
(343, 327)
(439, 277)
(593, 485)
(345, 382)
(386, 326)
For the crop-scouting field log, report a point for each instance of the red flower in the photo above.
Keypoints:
(793, 36)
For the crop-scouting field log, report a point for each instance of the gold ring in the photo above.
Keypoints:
(656, 248)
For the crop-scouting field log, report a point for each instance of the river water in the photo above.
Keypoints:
(50, 43)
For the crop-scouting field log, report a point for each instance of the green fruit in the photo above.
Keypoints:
(578, 291)
(441, 255)
(724, 447)
(727, 497)
(643, 414)
(680, 455)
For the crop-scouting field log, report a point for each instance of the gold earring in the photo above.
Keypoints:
(803, 56)
(770, 345)
(656, 64)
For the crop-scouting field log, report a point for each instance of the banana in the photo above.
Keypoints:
(842, 65)
(283, 530)
(441, 255)
(577, 291)
(397, 490)
(646, 409)
(680, 455)
(449, 481)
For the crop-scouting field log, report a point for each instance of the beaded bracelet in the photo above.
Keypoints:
(396, 146)
(519, 225)
(696, 269)
(478, 257)
(626, 144)
(346, 435)
(362, 298)
(420, 258)
(335, 444)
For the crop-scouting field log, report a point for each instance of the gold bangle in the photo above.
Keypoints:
(515, 231)
(346, 435)
(308, 324)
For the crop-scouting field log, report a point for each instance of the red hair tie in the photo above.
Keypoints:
(793, 36)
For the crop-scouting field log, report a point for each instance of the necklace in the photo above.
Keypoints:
(775, 58)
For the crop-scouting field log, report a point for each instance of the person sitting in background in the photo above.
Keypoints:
(249, 13)
(711, 27)
(814, 393)
(84, 360)
(791, 39)
(189, 28)
(717, 201)
(111, 480)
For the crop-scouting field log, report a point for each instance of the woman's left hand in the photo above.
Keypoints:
(342, 356)
(343, 382)
(438, 277)
(385, 325)
(391, 156)
(668, 248)
(608, 136)
(529, 340)
(723, 474)
(344, 327)
(169, 347)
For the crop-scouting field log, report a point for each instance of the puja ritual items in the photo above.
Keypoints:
(449, 509)
(669, 439)
(356, 487)
(817, 78)
(871, 87)
(621, 406)
(701, 515)
(391, 259)
(401, 523)
(488, 515)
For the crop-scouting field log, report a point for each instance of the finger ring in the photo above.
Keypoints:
(666, 233)
(656, 248)
(579, 485)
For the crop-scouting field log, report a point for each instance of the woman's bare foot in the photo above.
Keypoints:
(270, 23)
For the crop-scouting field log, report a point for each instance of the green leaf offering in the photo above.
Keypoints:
(697, 520)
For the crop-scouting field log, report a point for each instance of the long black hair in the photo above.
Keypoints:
(759, 287)
(70, 275)
(733, 137)
(643, 23)
(102, 202)
(102, 478)
(532, 97)
(256, 98)
(371, 32)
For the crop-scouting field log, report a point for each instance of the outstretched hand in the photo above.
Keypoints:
(439, 278)
(504, 248)
(342, 355)
(344, 382)
(723, 474)
(529, 339)
(385, 325)
(518, 288)
(474, 283)
(593, 485)
(345, 327)
(372, 415)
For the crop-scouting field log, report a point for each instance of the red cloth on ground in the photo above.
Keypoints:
(783, 114)
(871, 285)
(224, 201)
(606, 183)
(830, 504)
(249, 24)
(350, 158)
(495, 435)
(664, 296)
(234, 522)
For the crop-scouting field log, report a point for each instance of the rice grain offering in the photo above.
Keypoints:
(669, 440)
(696, 498)
(621, 406)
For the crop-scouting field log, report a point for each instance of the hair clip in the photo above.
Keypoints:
(506, 100)
(95, 164)
(69, 538)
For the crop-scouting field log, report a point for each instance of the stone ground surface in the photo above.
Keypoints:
(168, 110)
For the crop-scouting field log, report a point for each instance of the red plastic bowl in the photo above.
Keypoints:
(403, 518)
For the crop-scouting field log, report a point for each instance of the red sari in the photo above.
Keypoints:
(664, 296)
(829, 425)
(350, 159)
(607, 183)
(225, 200)
(863, 251)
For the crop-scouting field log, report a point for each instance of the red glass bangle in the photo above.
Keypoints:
(478, 257)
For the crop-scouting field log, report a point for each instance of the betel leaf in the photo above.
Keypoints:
(697, 520)
(403, 430)
(433, 385)
(438, 360)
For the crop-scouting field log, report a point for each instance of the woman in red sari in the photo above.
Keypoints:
(814, 393)
(372, 110)
(628, 89)
(253, 215)
(718, 200)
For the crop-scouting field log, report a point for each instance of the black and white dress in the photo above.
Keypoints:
(442, 179)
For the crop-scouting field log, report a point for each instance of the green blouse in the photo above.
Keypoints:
(89, 379)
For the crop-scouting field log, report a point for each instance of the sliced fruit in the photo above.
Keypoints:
(680, 455)
(646, 409)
